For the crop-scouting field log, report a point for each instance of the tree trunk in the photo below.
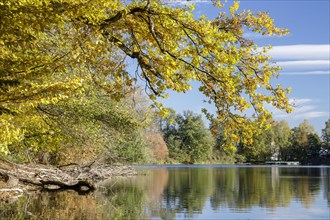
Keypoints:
(82, 178)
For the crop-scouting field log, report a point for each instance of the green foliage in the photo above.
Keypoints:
(256, 151)
(96, 127)
(326, 135)
(187, 138)
(221, 157)
(305, 144)
(314, 146)
(132, 149)
(281, 136)
(83, 129)
(269, 145)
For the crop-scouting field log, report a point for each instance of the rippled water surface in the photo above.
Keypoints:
(190, 192)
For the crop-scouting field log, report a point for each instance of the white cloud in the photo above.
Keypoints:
(298, 102)
(304, 109)
(320, 72)
(301, 52)
(310, 115)
(185, 2)
(301, 115)
(302, 59)
(304, 65)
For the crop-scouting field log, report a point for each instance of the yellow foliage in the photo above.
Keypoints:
(52, 50)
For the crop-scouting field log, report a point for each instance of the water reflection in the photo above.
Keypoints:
(189, 192)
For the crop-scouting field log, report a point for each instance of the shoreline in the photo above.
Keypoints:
(17, 179)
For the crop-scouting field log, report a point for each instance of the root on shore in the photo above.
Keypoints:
(81, 178)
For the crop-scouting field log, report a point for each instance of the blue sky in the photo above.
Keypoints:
(304, 56)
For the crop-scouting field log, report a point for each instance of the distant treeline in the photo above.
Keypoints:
(189, 141)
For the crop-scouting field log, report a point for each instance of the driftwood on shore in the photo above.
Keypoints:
(77, 177)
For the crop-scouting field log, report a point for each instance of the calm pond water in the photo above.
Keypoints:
(190, 192)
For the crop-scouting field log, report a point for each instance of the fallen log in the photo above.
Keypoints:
(74, 176)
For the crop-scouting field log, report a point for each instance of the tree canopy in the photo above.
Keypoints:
(187, 138)
(326, 134)
(54, 50)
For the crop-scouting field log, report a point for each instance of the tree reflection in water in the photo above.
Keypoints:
(186, 190)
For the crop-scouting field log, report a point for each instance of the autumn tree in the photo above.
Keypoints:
(54, 50)
(93, 128)
(304, 143)
(272, 144)
(305, 128)
(219, 154)
(254, 152)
